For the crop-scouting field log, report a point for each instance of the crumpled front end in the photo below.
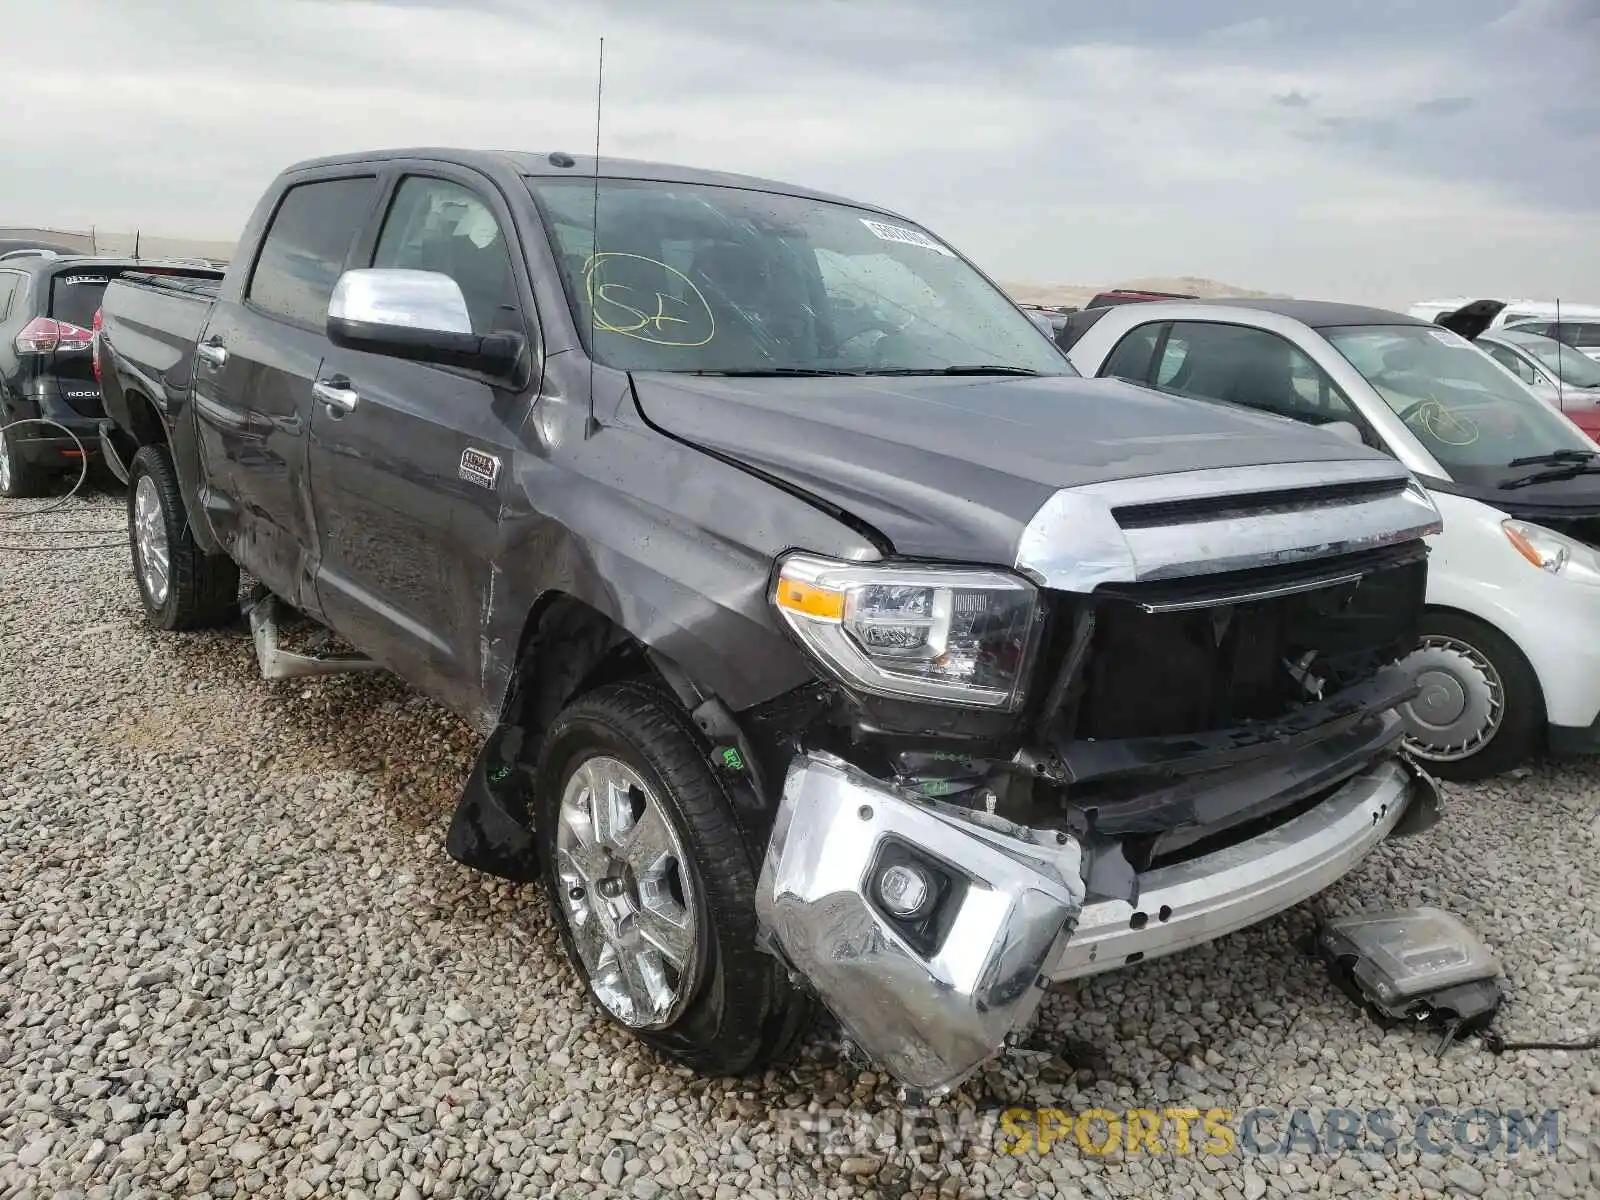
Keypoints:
(930, 931)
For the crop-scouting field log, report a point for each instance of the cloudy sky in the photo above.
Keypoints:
(1379, 150)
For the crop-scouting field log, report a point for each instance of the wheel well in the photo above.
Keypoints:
(567, 648)
(147, 429)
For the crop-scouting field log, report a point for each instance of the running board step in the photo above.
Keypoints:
(278, 663)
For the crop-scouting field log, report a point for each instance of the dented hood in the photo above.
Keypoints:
(954, 468)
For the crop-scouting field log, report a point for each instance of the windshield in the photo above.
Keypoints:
(690, 277)
(1464, 409)
(1573, 366)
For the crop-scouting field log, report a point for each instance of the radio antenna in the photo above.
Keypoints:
(594, 226)
(1561, 383)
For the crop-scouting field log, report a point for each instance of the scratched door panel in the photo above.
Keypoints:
(406, 540)
(251, 416)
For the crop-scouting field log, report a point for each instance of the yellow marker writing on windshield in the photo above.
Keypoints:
(622, 312)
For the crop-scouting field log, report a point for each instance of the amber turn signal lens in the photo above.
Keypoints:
(812, 601)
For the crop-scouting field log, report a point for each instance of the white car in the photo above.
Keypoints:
(1509, 657)
(1577, 325)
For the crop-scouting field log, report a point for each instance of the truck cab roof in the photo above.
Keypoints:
(537, 163)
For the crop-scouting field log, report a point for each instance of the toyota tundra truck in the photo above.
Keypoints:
(829, 638)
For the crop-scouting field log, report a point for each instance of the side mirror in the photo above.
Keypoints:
(416, 315)
(1343, 429)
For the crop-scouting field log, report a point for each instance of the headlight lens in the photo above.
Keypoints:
(1551, 551)
(927, 633)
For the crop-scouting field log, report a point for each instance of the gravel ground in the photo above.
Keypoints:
(235, 960)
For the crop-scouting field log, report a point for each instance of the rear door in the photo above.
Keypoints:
(408, 482)
(255, 365)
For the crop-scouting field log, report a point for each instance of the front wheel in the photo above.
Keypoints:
(182, 587)
(652, 886)
(1480, 709)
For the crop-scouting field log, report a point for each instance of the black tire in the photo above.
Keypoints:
(743, 1013)
(1522, 720)
(202, 589)
(23, 480)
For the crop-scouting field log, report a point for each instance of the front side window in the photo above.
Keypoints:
(1467, 412)
(1575, 368)
(1252, 368)
(436, 225)
(304, 251)
(1131, 359)
(1513, 362)
(691, 277)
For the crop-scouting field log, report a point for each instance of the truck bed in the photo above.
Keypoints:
(150, 324)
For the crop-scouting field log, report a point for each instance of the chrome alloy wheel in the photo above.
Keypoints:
(627, 894)
(1462, 702)
(5, 462)
(150, 541)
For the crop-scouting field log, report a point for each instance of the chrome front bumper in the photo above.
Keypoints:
(1193, 902)
(930, 1008)
(933, 1005)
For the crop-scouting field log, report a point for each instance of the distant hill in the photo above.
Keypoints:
(1078, 294)
(103, 241)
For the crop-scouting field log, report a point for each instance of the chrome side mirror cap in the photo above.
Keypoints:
(417, 315)
(422, 301)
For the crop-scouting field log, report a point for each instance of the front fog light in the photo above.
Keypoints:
(906, 890)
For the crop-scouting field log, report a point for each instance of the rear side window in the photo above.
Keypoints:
(75, 295)
(1588, 335)
(304, 251)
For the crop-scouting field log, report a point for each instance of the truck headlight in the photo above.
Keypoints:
(945, 634)
(1551, 551)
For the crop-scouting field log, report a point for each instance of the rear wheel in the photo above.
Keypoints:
(653, 887)
(1480, 708)
(19, 479)
(181, 586)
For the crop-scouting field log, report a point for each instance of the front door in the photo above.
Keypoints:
(254, 368)
(409, 462)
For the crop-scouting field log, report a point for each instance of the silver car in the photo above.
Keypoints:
(1558, 374)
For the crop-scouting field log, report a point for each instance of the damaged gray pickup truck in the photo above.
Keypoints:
(830, 638)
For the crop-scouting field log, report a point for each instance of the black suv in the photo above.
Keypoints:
(48, 303)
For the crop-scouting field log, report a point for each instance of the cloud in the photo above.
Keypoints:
(1294, 148)
(1445, 106)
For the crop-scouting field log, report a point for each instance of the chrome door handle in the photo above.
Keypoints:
(335, 395)
(211, 353)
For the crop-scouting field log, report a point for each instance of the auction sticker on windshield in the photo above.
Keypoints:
(910, 237)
